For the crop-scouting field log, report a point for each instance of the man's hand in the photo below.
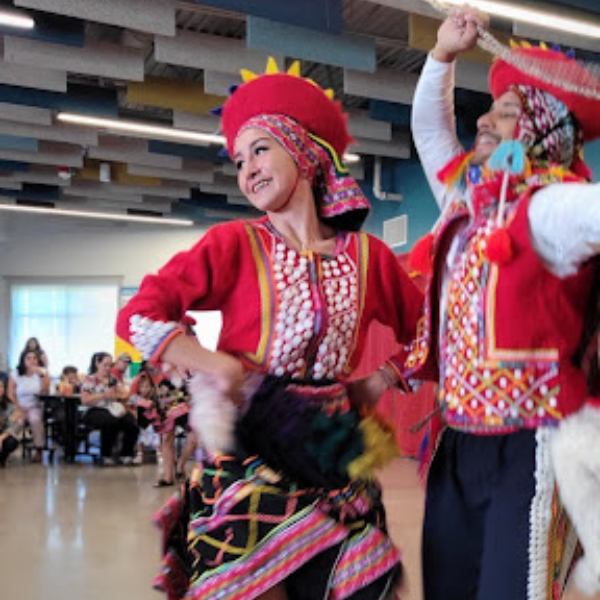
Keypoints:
(458, 33)
(365, 392)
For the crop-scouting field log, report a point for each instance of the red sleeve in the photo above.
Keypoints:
(194, 280)
(396, 301)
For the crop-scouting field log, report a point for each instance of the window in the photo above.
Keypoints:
(208, 327)
(71, 321)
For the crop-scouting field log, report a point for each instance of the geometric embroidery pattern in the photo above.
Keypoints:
(483, 387)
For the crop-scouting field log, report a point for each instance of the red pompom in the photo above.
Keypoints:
(421, 256)
(499, 247)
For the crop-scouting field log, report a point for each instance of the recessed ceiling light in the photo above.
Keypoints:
(146, 129)
(8, 19)
(59, 212)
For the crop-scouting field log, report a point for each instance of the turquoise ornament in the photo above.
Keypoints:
(509, 156)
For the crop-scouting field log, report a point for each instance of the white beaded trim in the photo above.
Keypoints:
(295, 316)
(147, 335)
(541, 521)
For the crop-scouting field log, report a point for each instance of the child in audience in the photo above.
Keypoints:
(143, 406)
(173, 408)
(69, 383)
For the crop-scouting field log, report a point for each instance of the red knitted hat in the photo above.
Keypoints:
(286, 94)
(569, 79)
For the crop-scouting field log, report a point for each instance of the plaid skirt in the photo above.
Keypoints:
(241, 526)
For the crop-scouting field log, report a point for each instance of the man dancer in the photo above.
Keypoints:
(511, 283)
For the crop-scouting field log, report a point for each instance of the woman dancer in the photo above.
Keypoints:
(287, 512)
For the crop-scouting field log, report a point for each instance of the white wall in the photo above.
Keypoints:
(39, 247)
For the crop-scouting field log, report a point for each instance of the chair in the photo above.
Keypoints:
(26, 442)
(84, 438)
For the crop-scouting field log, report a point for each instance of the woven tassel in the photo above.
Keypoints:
(380, 448)
(453, 173)
(421, 255)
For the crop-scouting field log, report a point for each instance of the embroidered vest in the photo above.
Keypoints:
(508, 332)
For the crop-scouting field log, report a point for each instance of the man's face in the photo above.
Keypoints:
(121, 365)
(497, 126)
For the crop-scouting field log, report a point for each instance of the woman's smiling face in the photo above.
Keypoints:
(267, 174)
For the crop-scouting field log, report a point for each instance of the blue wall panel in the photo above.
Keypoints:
(323, 15)
(391, 112)
(14, 142)
(11, 165)
(351, 52)
(79, 98)
(405, 177)
(34, 191)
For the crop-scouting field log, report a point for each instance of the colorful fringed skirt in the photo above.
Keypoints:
(286, 507)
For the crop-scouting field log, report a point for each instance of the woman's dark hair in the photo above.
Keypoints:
(97, 357)
(21, 367)
(39, 351)
(4, 396)
(37, 344)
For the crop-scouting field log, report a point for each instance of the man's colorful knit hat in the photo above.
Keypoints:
(564, 78)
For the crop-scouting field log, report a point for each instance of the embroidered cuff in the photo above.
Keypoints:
(151, 337)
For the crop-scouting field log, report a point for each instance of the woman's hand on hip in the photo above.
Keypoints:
(229, 375)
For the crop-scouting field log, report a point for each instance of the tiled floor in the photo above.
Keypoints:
(83, 533)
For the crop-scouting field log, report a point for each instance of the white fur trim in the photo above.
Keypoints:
(539, 518)
(576, 456)
(213, 415)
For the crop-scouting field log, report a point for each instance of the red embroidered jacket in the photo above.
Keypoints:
(303, 315)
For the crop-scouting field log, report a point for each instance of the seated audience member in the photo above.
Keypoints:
(25, 385)
(70, 382)
(173, 408)
(142, 404)
(11, 423)
(106, 399)
(120, 367)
